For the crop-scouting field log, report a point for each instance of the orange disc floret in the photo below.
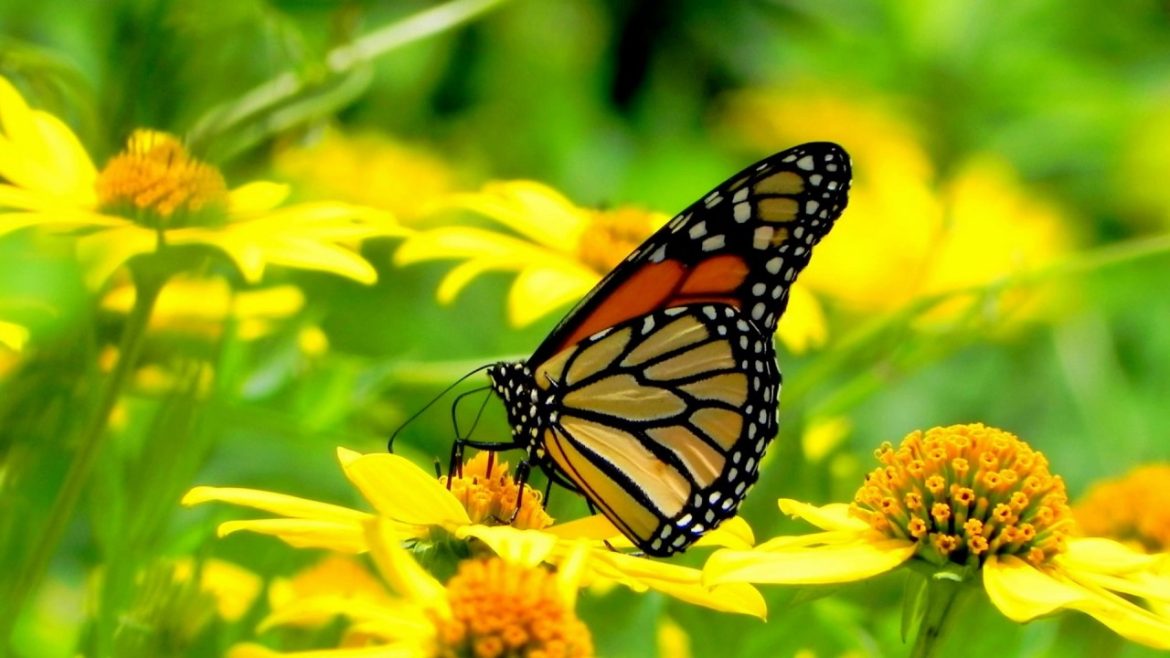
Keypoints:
(499, 609)
(987, 493)
(612, 234)
(490, 495)
(157, 180)
(1133, 508)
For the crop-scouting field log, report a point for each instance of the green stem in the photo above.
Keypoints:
(29, 576)
(943, 592)
(263, 99)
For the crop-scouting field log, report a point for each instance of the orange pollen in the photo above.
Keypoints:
(987, 493)
(500, 609)
(490, 495)
(612, 235)
(157, 180)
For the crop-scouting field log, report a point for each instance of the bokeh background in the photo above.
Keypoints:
(1003, 260)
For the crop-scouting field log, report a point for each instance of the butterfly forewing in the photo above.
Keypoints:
(742, 244)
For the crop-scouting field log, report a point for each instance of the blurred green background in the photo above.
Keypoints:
(1015, 151)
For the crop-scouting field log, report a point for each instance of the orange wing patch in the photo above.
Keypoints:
(714, 276)
(642, 293)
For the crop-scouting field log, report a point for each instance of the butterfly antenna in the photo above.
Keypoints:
(390, 441)
(455, 411)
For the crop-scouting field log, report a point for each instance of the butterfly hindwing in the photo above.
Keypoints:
(660, 421)
(663, 420)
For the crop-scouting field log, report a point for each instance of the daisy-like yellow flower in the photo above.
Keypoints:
(559, 251)
(475, 509)
(965, 502)
(508, 605)
(910, 233)
(1134, 508)
(367, 168)
(155, 195)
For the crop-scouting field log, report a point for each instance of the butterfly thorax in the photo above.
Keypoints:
(529, 407)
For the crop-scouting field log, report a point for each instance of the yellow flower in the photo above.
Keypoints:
(154, 195)
(909, 234)
(493, 606)
(369, 169)
(1133, 508)
(559, 252)
(233, 587)
(200, 307)
(421, 509)
(964, 501)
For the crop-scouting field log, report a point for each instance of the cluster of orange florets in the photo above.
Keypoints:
(490, 495)
(156, 175)
(612, 235)
(503, 610)
(966, 492)
(1135, 507)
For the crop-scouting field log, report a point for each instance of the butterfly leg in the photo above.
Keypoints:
(460, 445)
(523, 470)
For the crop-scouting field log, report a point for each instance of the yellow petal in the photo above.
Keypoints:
(276, 503)
(1023, 592)
(234, 587)
(595, 527)
(1105, 556)
(525, 547)
(834, 516)
(804, 325)
(394, 619)
(680, 582)
(40, 153)
(796, 563)
(256, 197)
(250, 650)
(571, 571)
(104, 252)
(531, 209)
(400, 570)
(402, 491)
(732, 533)
(464, 273)
(539, 290)
(300, 533)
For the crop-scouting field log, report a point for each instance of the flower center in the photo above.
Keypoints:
(490, 495)
(966, 492)
(1134, 508)
(500, 609)
(612, 234)
(158, 183)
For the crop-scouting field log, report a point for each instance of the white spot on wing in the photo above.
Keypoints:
(714, 242)
(762, 238)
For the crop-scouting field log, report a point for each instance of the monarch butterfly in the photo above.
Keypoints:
(656, 396)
